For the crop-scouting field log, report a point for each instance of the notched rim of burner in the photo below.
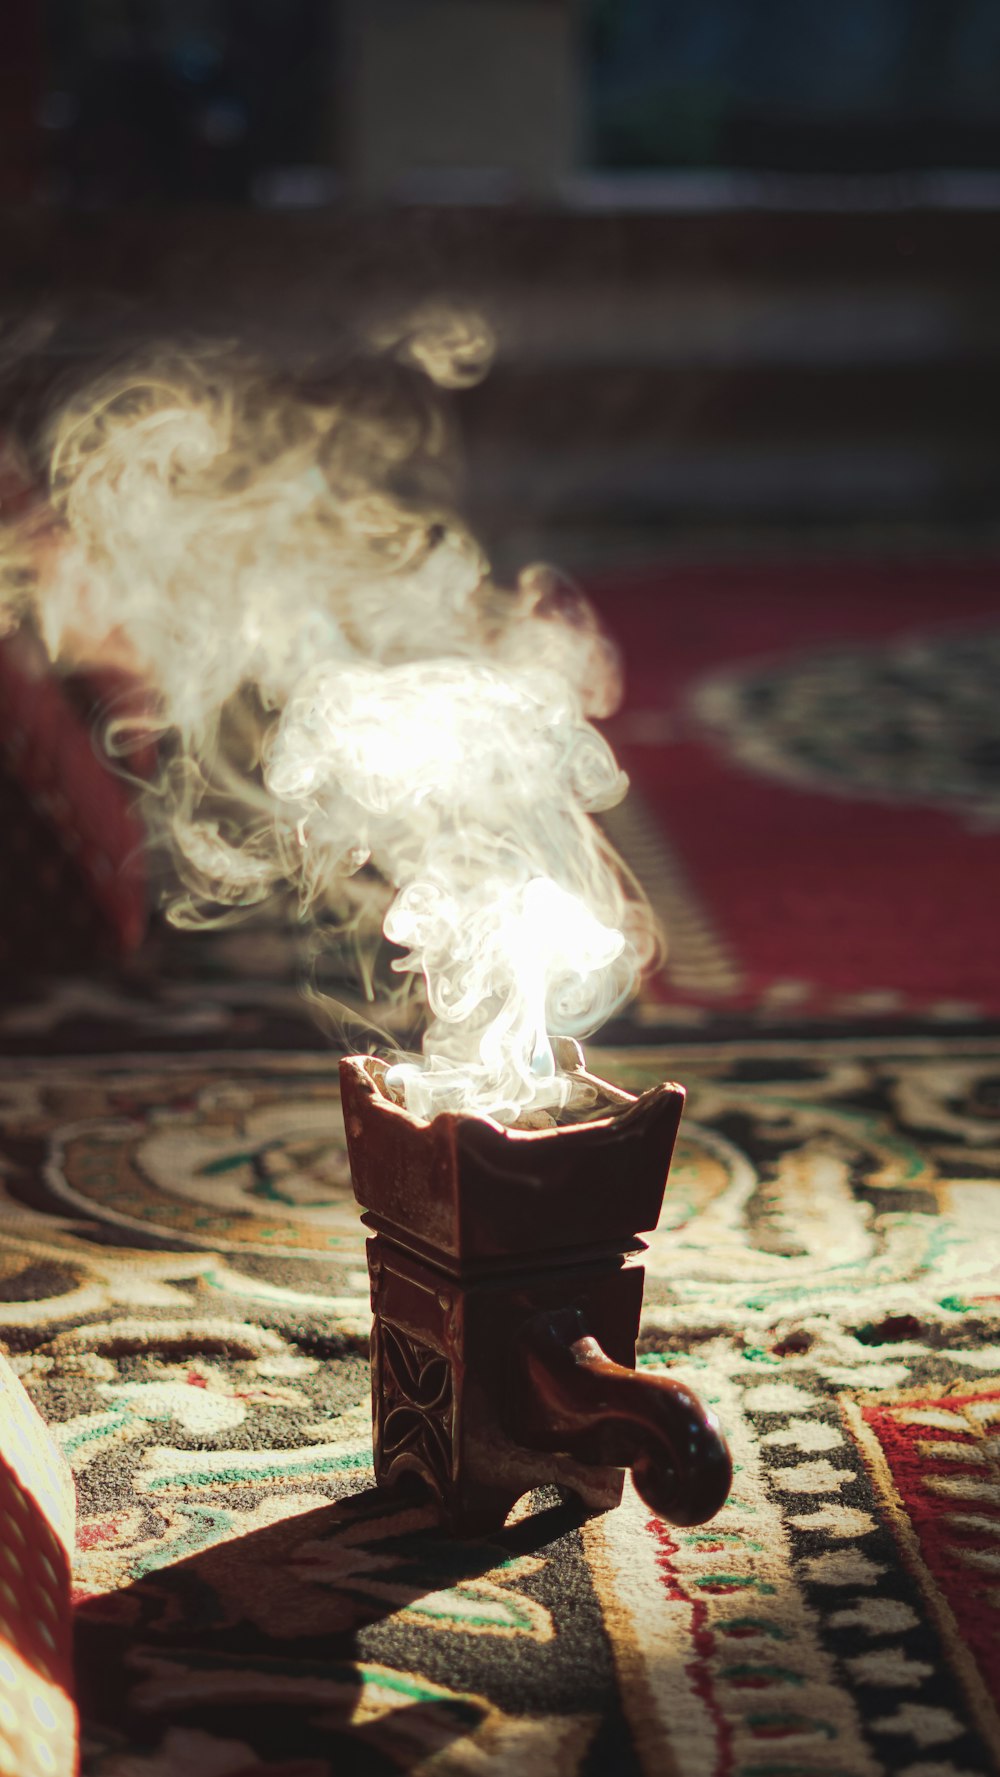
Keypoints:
(570, 1057)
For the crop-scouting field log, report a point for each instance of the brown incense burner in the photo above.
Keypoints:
(506, 1297)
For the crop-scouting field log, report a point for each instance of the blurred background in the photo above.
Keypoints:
(741, 254)
(742, 262)
(741, 259)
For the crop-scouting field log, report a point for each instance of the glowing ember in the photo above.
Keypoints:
(355, 706)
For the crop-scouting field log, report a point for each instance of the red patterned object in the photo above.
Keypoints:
(72, 877)
(38, 1733)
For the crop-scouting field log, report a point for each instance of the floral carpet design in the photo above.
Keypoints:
(914, 720)
(183, 1290)
(813, 753)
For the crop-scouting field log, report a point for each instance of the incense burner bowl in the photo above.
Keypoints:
(506, 1295)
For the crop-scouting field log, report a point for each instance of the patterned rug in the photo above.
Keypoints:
(814, 749)
(184, 1292)
(183, 1287)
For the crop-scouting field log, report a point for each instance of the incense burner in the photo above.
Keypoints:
(506, 1295)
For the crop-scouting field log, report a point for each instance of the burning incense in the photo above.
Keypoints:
(350, 703)
(506, 1298)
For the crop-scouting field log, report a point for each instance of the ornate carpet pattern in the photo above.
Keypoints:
(184, 1294)
(813, 750)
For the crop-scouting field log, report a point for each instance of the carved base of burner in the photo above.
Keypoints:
(451, 1398)
(506, 1301)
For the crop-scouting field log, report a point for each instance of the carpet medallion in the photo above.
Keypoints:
(184, 1294)
(913, 720)
(813, 751)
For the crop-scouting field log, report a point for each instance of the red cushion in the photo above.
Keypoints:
(72, 874)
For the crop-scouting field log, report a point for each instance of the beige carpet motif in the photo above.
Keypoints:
(183, 1290)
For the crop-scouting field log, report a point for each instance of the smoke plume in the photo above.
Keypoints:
(347, 701)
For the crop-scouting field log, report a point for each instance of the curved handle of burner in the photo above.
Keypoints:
(598, 1411)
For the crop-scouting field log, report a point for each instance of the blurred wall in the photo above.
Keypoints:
(472, 98)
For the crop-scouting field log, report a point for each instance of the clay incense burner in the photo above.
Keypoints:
(506, 1297)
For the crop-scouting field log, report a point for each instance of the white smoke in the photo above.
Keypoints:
(348, 697)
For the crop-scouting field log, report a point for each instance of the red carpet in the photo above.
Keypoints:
(815, 756)
(184, 1296)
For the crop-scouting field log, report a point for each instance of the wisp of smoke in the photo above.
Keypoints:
(349, 703)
